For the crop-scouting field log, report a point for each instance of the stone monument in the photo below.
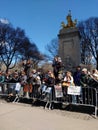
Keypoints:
(69, 43)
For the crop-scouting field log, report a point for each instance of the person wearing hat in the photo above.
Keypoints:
(85, 83)
(84, 78)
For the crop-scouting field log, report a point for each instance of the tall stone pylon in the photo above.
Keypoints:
(69, 43)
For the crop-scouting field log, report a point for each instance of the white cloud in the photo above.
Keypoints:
(5, 21)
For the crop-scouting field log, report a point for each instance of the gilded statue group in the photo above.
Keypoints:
(70, 22)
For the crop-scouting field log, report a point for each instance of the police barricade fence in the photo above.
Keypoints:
(87, 96)
(10, 89)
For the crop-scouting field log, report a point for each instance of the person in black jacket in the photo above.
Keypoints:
(57, 66)
(50, 82)
(77, 75)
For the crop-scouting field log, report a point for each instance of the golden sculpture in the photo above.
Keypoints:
(70, 23)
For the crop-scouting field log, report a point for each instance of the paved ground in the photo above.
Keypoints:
(19, 116)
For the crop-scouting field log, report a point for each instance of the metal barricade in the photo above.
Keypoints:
(6, 88)
(76, 95)
(10, 90)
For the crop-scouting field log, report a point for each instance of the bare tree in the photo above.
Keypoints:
(30, 51)
(52, 48)
(89, 39)
(10, 44)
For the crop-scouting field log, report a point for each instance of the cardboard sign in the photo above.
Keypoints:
(58, 91)
(74, 90)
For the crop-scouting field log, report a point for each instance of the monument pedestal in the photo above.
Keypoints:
(69, 47)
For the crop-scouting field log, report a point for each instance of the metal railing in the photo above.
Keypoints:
(86, 96)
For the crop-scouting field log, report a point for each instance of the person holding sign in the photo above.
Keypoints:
(68, 80)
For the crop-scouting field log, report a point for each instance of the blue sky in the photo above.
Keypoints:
(41, 19)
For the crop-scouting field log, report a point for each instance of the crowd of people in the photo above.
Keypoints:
(35, 83)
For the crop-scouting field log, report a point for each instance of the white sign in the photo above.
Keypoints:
(48, 90)
(18, 86)
(74, 90)
(58, 91)
(0, 89)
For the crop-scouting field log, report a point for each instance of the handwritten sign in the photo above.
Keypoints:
(58, 91)
(74, 90)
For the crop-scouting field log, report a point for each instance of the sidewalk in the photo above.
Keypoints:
(18, 116)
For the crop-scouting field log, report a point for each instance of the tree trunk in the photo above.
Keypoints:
(7, 68)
